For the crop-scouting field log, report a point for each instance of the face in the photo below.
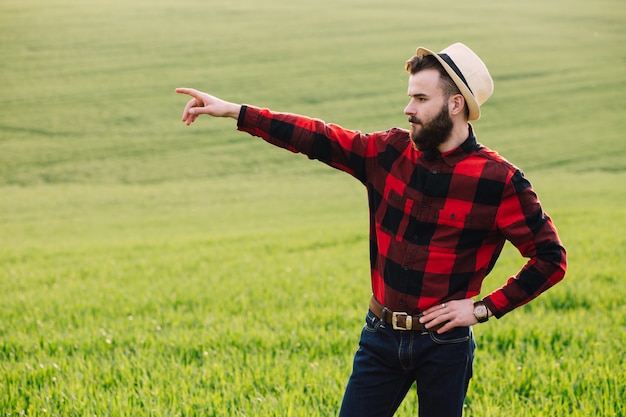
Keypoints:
(428, 113)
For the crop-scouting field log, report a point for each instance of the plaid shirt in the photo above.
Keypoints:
(438, 222)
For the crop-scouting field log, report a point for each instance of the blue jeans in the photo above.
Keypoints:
(389, 361)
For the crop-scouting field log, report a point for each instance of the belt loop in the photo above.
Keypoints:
(384, 317)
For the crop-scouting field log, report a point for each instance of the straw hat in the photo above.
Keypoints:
(468, 72)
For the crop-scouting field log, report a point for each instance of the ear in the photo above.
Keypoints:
(456, 104)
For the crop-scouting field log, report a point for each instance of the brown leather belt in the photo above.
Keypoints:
(399, 319)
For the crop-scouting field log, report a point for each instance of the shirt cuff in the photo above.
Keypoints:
(491, 306)
(242, 115)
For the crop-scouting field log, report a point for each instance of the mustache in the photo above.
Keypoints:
(414, 120)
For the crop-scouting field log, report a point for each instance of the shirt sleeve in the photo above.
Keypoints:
(523, 222)
(340, 148)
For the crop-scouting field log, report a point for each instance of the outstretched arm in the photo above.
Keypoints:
(203, 103)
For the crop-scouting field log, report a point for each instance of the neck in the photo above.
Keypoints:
(460, 132)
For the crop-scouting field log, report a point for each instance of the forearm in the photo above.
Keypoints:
(537, 276)
(340, 148)
(289, 131)
(545, 268)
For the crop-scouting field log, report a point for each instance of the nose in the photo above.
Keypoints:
(409, 109)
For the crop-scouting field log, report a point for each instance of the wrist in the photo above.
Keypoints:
(233, 111)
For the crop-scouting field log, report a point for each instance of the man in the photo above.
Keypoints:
(441, 208)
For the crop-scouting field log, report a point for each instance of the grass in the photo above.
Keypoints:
(147, 268)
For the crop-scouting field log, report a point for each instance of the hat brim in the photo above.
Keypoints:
(470, 100)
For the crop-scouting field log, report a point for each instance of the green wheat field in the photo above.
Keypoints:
(153, 269)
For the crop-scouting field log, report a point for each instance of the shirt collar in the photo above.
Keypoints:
(456, 155)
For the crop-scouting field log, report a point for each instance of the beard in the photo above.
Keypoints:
(434, 132)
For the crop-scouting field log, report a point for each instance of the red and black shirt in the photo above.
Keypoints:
(438, 222)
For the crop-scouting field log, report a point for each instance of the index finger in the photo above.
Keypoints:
(189, 91)
(193, 93)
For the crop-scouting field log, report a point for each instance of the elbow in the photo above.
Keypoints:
(559, 260)
(563, 263)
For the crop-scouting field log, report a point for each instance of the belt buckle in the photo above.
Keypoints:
(408, 325)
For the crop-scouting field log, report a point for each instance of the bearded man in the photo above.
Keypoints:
(441, 208)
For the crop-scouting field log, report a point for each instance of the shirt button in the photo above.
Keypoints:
(406, 268)
(435, 172)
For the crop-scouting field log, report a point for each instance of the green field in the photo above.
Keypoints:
(149, 268)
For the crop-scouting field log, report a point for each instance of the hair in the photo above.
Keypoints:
(416, 64)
